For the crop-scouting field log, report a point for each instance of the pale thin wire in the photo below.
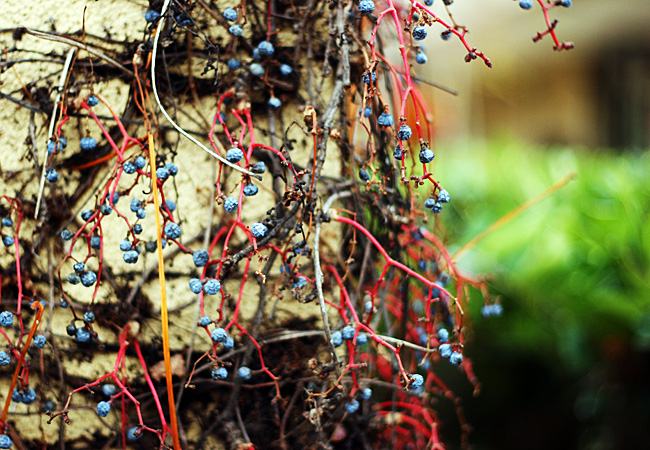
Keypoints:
(164, 112)
(64, 76)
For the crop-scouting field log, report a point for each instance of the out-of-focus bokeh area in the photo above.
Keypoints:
(567, 365)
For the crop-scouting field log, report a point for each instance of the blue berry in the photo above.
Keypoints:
(428, 203)
(443, 196)
(7, 240)
(397, 153)
(109, 389)
(426, 155)
(385, 120)
(234, 155)
(171, 205)
(5, 359)
(172, 168)
(220, 374)
(230, 14)
(205, 321)
(137, 228)
(229, 343)
(89, 317)
(244, 373)
(172, 230)
(71, 330)
(51, 175)
(445, 350)
(230, 204)
(236, 30)
(6, 319)
(219, 335)
(88, 278)
(259, 230)
(82, 335)
(234, 64)
(419, 33)
(366, 78)
(141, 213)
(64, 303)
(95, 242)
(421, 58)
(404, 132)
(456, 358)
(162, 173)
(88, 143)
(362, 339)
(259, 167)
(16, 396)
(366, 6)
(352, 406)
(348, 332)
(448, 2)
(257, 69)
(125, 245)
(135, 205)
(140, 162)
(92, 100)
(367, 111)
(364, 175)
(73, 278)
(103, 408)
(130, 257)
(55, 147)
(266, 48)
(525, 4)
(442, 335)
(492, 310)
(29, 395)
(417, 380)
(337, 338)
(151, 15)
(196, 285)
(105, 209)
(201, 258)
(367, 307)
(428, 2)
(286, 69)
(212, 287)
(275, 102)
(565, 3)
(299, 283)
(7, 222)
(250, 190)
(366, 393)
(133, 433)
(66, 235)
(86, 214)
(437, 207)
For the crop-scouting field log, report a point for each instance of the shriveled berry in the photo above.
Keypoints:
(417, 380)
(196, 285)
(151, 15)
(133, 433)
(250, 190)
(219, 374)
(397, 153)
(6, 319)
(40, 341)
(5, 359)
(200, 257)
(419, 33)
(366, 6)
(218, 335)
(172, 168)
(437, 207)
(385, 120)
(404, 132)
(426, 155)
(88, 278)
(205, 321)
(337, 338)
(236, 30)
(212, 287)
(443, 196)
(230, 204)
(259, 167)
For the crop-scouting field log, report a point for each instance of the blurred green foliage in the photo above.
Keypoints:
(575, 269)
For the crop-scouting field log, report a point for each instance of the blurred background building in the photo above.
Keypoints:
(596, 95)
